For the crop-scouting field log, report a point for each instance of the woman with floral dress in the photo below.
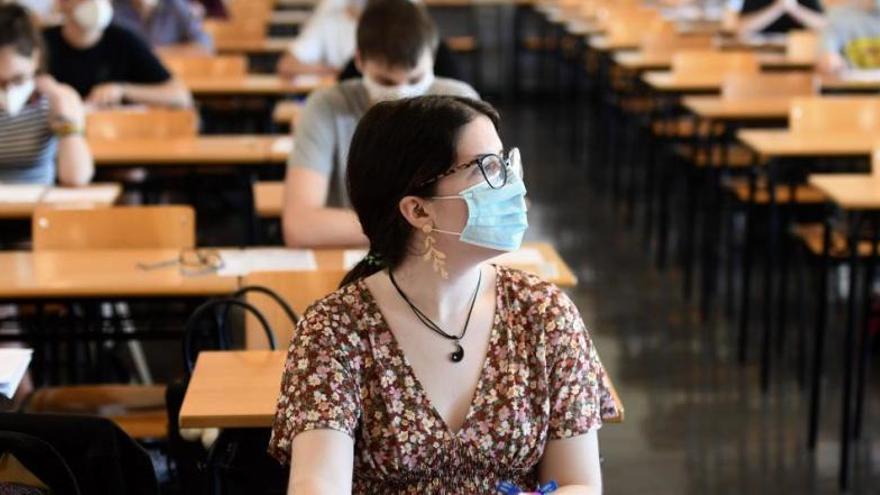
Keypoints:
(432, 370)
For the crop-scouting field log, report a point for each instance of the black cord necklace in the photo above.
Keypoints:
(458, 354)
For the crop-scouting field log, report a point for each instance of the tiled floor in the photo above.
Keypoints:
(696, 421)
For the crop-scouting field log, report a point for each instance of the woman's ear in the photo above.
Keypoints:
(417, 211)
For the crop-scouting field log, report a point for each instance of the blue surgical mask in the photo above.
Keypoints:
(496, 217)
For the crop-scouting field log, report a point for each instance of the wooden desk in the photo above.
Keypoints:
(715, 108)
(273, 45)
(61, 197)
(850, 191)
(202, 150)
(606, 44)
(239, 389)
(783, 143)
(669, 82)
(256, 85)
(639, 61)
(103, 273)
(852, 84)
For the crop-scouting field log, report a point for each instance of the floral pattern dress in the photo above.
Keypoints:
(541, 380)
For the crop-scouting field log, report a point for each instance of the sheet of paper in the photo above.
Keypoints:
(21, 193)
(241, 262)
(865, 75)
(13, 365)
(352, 257)
(283, 145)
(89, 194)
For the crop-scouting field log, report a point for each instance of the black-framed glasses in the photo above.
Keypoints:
(190, 262)
(496, 169)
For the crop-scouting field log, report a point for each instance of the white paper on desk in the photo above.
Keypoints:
(88, 194)
(241, 262)
(21, 193)
(861, 75)
(13, 365)
(351, 257)
(283, 145)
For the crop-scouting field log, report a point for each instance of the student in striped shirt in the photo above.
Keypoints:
(41, 120)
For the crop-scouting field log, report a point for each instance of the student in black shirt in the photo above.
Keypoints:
(776, 16)
(108, 64)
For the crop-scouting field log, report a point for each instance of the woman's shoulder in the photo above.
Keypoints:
(338, 316)
(530, 289)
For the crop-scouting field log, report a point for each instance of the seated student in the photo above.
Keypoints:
(41, 121)
(326, 45)
(432, 370)
(396, 41)
(163, 22)
(852, 37)
(750, 17)
(106, 64)
(45, 11)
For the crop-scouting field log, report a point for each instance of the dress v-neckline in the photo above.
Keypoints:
(410, 371)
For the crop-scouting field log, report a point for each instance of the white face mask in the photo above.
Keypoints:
(93, 15)
(12, 100)
(379, 92)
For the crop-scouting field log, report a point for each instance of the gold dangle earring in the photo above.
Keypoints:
(432, 254)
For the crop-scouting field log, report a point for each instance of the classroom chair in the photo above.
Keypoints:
(137, 409)
(293, 287)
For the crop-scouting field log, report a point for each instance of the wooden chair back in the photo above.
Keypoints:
(857, 114)
(123, 227)
(299, 288)
(802, 45)
(769, 85)
(714, 63)
(142, 123)
(216, 66)
(247, 29)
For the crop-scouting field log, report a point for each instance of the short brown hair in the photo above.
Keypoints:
(19, 30)
(397, 32)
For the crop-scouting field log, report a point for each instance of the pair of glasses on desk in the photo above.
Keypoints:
(190, 261)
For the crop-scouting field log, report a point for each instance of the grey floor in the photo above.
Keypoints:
(696, 421)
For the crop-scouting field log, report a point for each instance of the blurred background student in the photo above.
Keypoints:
(851, 40)
(108, 64)
(41, 120)
(751, 17)
(163, 22)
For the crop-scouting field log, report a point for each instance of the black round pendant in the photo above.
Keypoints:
(458, 355)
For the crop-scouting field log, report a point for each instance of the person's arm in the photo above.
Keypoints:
(756, 21)
(307, 222)
(322, 462)
(308, 52)
(574, 464)
(808, 17)
(73, 157)
(171, 93)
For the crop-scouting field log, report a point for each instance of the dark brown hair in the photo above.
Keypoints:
(19, 30)
(397, 146)
(396, 32)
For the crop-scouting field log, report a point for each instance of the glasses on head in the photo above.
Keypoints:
(497, 170)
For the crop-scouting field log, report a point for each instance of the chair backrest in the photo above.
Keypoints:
(819, 114)
(216, 66)
(713, 63)
(247, 29)
(299, 288)
(769, 85)
(663, 43)
(802, 45)
(142, 123)
(123, 227)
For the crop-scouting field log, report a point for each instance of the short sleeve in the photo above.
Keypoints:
(308, 47)
(318, 389)
(314, 140)
(580, 396)
(143, 65)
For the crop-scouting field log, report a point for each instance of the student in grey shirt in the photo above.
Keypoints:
(162, 22)
(852, 37)
(396, 40)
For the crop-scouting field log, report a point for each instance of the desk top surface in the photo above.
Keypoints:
(783, 143)
(210, 149)
(850, 191)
